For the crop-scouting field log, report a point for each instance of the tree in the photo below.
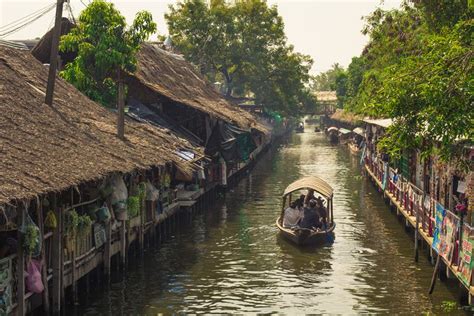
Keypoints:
(244, 44)
(417, 69)
(326, 81)
(105, 48)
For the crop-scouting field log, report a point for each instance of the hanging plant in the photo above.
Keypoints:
(31, 239)
(71, 222)
(133, 206)
(84, 224)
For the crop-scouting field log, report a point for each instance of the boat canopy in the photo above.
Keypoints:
(332, 128)
(344, 131)
(311, 182)
(358, 131)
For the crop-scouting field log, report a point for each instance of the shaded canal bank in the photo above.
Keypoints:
(231, 260)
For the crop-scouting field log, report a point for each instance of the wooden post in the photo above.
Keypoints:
(141, 237)
(56, 260)
(53, 59)
(121, 109)
(44, 265)
(123, 244)
(107, 251)
(74, 273)
(21, 309)
(417, 209)
(61, 257)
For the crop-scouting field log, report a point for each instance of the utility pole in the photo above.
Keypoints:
(53, 61)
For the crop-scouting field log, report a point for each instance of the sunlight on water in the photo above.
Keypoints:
(231, 259)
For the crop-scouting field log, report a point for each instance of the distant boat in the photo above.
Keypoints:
(306, 236)
(333, 134)
(300, 127)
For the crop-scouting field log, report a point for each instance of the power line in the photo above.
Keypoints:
(21, 23)
(21, 20)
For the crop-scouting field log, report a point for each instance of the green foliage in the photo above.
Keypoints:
(417, 69)
(449, 306)
(84, 224)
(326, 81)
(71, 221)
(242, 43)
(133, 206)
(31, 239)
(105, 47)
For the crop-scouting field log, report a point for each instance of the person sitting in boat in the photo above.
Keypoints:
(292, 216)
(321, 210)
(300, 202)
(311, 218)
(309, 197)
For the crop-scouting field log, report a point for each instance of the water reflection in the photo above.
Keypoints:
(231, 259)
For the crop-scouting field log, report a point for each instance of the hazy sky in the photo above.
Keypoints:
(327, 30)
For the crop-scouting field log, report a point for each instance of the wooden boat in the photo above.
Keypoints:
(300, 128)
(305, 236)
(317, 130)
(344, 135)
(353, 147)
(333, 134)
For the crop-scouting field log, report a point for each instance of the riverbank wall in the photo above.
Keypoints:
(435, 200)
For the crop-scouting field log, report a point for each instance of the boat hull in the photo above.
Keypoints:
(306, 237)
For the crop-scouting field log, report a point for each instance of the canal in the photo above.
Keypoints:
(230, 260)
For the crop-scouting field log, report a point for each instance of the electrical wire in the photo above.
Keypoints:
(16, 27)
(71, 14)
(21, 20)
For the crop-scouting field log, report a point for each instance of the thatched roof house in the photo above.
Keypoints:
(45, 149)
(347, 117)
(170, 75)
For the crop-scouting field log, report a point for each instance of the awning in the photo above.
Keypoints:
(358, 131)
(311, 182)
(332, 128)
(344, 131)
(380, 122)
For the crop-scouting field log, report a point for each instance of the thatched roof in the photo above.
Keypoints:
(326, 96)
(347, 117)
(42, 49)
(44, 149)
(170, 75)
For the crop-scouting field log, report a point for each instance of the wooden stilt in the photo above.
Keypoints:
(74, 275)
(107, 250)
(123, 244)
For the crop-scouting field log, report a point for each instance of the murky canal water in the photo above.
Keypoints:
(231, 260)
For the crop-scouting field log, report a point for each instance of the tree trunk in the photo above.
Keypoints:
(228, 82)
